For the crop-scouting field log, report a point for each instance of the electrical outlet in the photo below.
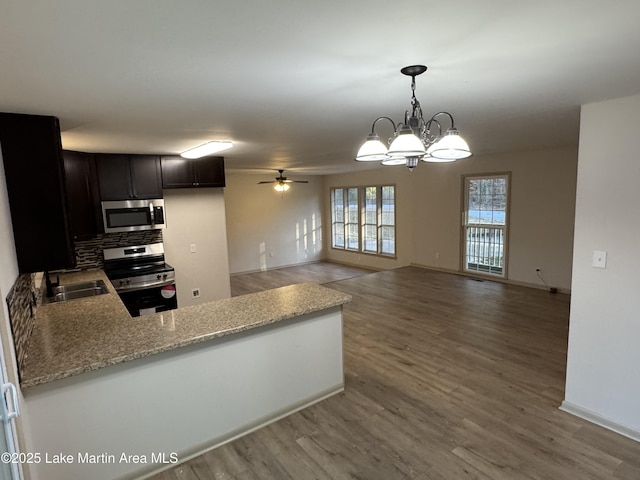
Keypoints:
(192, 248)
(195, 293)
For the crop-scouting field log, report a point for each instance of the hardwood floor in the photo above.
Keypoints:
(446, 378)
(320, 272)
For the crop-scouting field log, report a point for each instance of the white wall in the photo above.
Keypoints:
(8, 261)
(8, 275)
(267, 229)
(197, 216)
(603, 357)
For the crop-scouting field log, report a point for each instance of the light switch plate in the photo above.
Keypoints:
(599, 259)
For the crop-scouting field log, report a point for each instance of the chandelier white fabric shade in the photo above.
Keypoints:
(395, 161)
(406, 144)
(450, 148)
(413, 139)
(373, 150)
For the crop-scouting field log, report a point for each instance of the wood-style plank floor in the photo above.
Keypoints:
(320, 272)
(446, 378)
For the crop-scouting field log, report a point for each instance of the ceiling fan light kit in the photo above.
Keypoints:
(281, 187)
(281, 182)
(413, 139)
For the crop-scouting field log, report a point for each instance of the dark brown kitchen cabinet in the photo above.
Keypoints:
(83, 196)
(178, 172)
(34, 171)
(127, 177)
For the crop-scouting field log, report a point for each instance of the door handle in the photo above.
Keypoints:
(14, 398)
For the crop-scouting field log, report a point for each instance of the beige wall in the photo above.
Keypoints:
(267, 229)
(541, 212)
(197, 216)
(602, 380)
(429, 203)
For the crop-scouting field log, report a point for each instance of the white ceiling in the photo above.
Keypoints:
(297, 84)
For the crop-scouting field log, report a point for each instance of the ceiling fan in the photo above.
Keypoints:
(281, 182)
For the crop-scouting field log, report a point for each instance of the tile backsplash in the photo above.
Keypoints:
(89, 252)
(22, 301)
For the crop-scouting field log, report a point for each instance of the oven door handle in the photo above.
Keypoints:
(131, 288)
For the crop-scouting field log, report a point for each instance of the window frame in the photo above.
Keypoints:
(503, 228)
(362, 220)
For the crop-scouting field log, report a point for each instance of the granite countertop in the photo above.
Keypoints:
(78, 336)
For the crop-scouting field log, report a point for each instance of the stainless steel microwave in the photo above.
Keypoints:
(133, 215)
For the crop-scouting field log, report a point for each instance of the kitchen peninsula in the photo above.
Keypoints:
(97, 381)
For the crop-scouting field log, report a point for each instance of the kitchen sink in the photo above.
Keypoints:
(73, 291)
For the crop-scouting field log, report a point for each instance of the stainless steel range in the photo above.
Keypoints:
(145, 283)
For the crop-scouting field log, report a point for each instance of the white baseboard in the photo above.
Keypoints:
(599, 420)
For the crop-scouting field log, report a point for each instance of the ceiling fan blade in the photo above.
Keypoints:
(282, 179)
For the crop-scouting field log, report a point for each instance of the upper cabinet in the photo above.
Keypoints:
(178, 172)
(128, 177)
(83, 198)
(34, 171)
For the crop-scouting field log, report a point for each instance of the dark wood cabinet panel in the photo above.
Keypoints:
(210, 172)
(178, 172)
(146, 178)
(114, 176)
(125, 177)
(83, 199)
(34, 171)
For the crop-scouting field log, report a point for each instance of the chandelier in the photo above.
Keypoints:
(415, 139)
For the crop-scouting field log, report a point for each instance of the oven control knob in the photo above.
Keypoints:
(121, 282)
(159, 277)
(164, 276)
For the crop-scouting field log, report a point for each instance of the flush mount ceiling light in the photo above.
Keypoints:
(205, 149)
(415, 138)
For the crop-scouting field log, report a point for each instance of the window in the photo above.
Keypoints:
(485, 223)
(370, 221)
(351, 218)
(337, 220)
(363, 219)
(388, 223)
